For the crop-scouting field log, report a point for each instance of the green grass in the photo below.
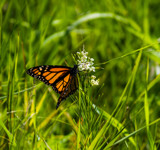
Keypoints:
(122, 112)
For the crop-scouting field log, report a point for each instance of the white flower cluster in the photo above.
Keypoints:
(94, 81)
(85, 63)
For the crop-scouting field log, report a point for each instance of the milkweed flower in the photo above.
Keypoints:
(85, 63)
(94, 81)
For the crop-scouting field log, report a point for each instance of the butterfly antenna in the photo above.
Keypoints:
(66, 63)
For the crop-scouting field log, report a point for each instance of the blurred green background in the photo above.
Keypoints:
(49, 32)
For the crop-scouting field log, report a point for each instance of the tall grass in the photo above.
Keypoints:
(122, 112)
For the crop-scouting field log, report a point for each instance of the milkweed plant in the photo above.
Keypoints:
(87, 115)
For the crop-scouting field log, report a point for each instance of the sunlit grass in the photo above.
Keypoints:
(122, 112)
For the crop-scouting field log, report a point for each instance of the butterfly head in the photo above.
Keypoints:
(74, 70)
(75, 67)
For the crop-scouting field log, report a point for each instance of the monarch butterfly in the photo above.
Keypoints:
(63, 79)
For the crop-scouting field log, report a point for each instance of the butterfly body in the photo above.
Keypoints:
(63, 79)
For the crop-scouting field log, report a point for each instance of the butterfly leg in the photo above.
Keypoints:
(58, 103)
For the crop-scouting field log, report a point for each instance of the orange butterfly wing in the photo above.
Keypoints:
(69, 89)
(62, 79)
